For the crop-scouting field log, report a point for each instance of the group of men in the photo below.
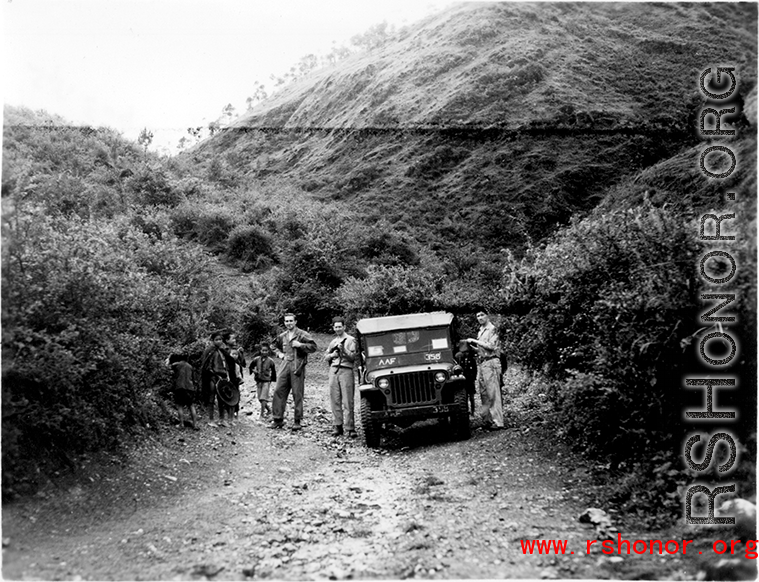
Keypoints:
(222, 365)
(294, 345)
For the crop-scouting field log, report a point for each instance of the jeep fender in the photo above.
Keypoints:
(366, 388)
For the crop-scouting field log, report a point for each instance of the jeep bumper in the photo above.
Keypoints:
(425, 411)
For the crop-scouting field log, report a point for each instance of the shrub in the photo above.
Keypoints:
(258, 325)
(213, 227)
(386, 248)
(205, 223)
(307, 283)
(152, 188)
(62, 194)
(94, 309)
(603, 308)
(389, 291)
(250, 246)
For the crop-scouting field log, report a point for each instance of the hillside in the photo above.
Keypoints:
(495, 122)
(391, 185)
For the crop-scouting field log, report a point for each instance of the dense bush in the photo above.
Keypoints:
(382, 246)
(258, 325)
(251, 247)
(389, 291)
(306, 284)
(90, 311)
(208, 224)
(153, 188)
(603, 309)
(63, 194)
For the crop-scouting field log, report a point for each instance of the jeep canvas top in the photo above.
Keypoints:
(405, 340)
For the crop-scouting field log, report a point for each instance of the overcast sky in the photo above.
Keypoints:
(169, 64)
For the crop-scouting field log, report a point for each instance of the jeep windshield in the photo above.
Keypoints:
(407, 347)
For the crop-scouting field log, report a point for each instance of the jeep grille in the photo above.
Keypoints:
(413, 388)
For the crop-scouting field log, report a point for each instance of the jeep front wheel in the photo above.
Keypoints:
(371, 427)
(460, 416)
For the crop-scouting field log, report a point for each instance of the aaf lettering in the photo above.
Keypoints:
(388, 361)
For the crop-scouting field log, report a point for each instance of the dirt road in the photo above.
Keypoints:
(252, 502)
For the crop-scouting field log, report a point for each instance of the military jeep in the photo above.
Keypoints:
(407, 372)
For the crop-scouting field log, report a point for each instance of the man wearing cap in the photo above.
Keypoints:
(340, 356)
(293, 347)
(489, 371)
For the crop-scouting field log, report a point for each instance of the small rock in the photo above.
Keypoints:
(616, 559)
(729, 569)
(600, 520)
(745, 516)
(207, 570)
(6, 542)
(593, 515)
(549, 574)
(249, 572)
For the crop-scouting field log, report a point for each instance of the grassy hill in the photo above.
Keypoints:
(495, 122)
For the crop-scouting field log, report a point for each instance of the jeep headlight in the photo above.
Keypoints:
(383, 383)
(440, 377)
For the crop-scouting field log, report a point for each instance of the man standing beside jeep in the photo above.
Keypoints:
(489, 371)
(341, 353)
(293, 346)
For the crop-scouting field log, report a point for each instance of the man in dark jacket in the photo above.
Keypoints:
(292, 346)
(184, 388)
(215, 365)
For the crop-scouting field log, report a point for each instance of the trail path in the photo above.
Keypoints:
(252, 502)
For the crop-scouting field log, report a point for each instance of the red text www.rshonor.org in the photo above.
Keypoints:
(622, 546)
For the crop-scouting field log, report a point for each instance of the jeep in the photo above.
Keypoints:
(407, 372)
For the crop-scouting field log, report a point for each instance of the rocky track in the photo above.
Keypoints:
(250, 502)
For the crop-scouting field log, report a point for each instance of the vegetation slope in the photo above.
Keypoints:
(538, 159)
(495, 122)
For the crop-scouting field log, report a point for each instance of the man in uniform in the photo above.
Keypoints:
(340, 356)
(489, 371)
(292, 346)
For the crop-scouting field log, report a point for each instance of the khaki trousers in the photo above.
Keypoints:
(286, 381)
(341, 389)
(489, 387)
